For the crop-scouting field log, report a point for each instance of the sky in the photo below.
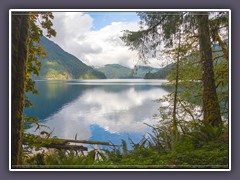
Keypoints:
(94, 37)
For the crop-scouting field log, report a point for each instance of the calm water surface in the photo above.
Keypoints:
(102, 110)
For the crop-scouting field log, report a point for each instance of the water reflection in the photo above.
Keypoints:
(106, 112)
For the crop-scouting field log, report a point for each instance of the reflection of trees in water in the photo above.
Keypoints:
(52, 97)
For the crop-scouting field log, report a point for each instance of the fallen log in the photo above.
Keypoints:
(65, 144)
(67, 147)
(86, 142)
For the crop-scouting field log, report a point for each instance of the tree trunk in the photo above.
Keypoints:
(211, 108)
(175, 130)
(223, 45)
(20, 34)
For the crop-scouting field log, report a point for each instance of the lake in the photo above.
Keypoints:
(101, 110)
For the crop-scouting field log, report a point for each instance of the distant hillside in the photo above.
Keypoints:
(160, 74)
(141, 71)
(164, 72)
(58, 64)
(116, 71)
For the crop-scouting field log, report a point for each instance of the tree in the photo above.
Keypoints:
(26, 33)
(211, 108)
(218, 24)
(38, 22)
(162, 28)
(20, 40)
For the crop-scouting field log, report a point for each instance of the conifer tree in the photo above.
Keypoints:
(161, 28)
(211, 108)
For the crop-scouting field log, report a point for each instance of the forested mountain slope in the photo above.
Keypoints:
(59, 64)
(116, 71)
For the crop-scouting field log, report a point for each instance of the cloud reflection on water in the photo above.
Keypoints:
(116, 112)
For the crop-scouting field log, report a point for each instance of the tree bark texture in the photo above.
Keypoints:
(19, 47)
(211, 108)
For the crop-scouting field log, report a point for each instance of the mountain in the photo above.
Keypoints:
(116, 71)
(160, 74)
(164, 72)
(141, 71)
(59, 64)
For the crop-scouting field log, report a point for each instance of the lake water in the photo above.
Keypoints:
(101, 110)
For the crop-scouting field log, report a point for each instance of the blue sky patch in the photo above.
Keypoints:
(102, 19)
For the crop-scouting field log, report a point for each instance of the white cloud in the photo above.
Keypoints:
(68, 26)
(97, 48)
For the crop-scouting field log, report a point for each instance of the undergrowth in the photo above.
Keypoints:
(206, 147)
